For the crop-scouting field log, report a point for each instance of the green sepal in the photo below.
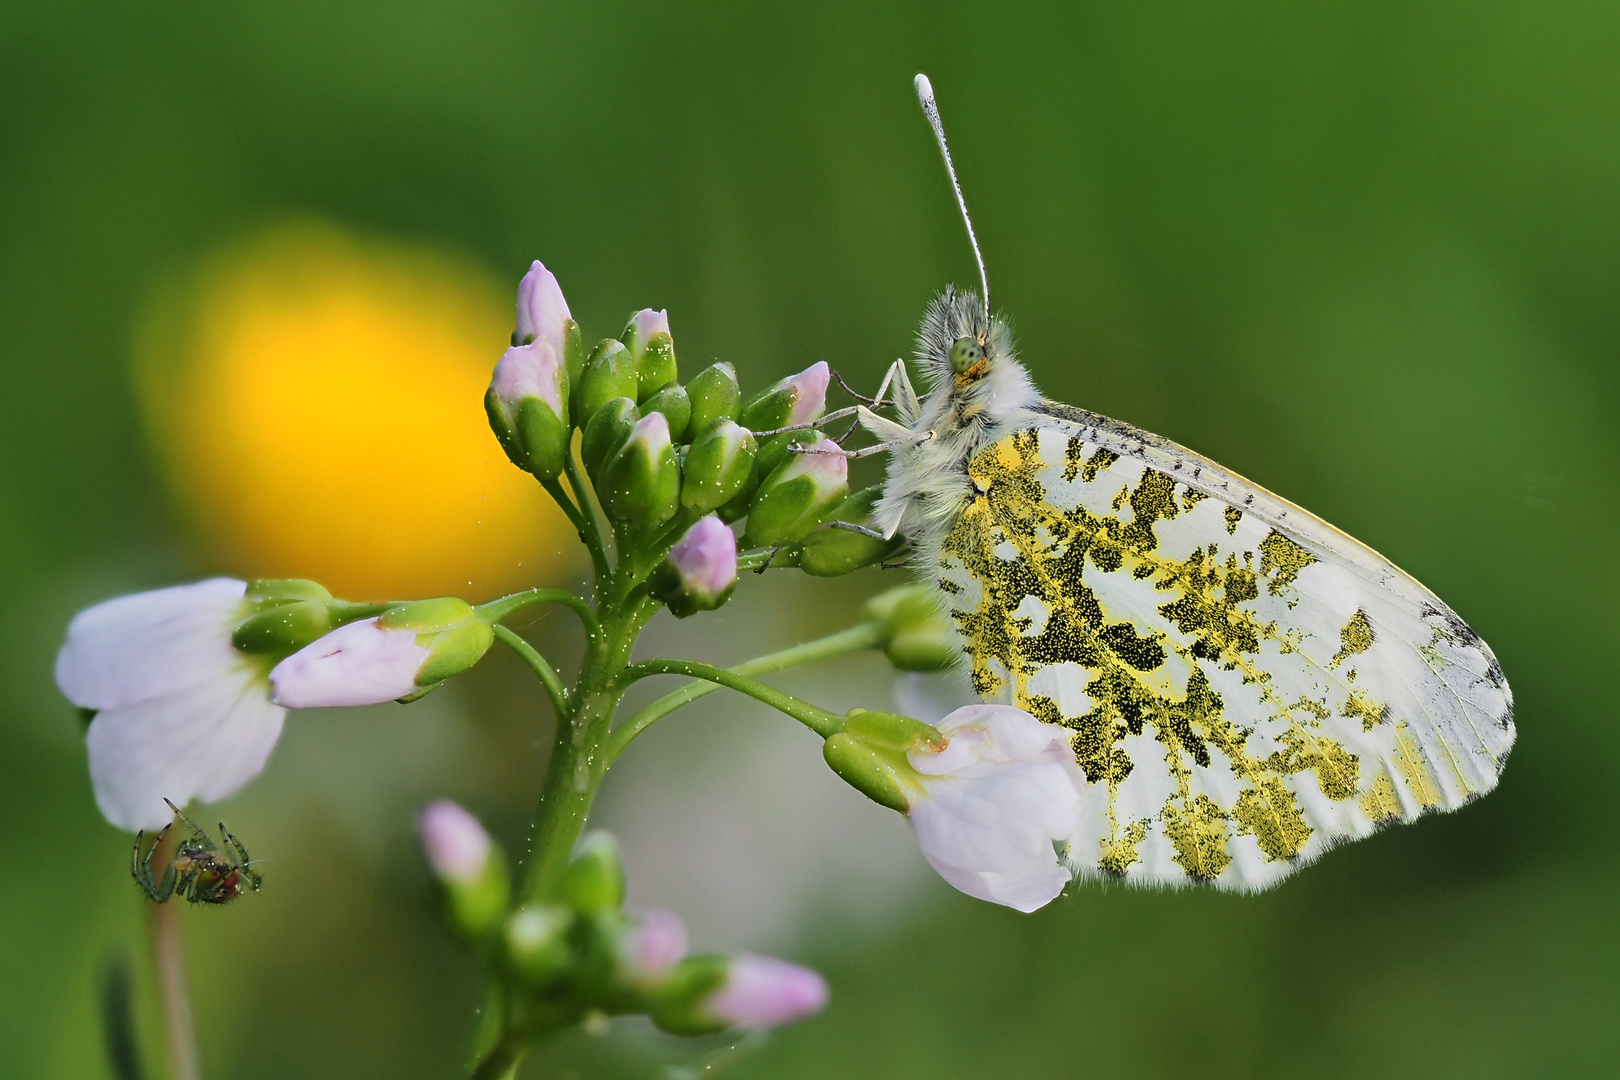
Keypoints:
(719, 466)
(501, 425)
(891, 731)
(784, 509)
(639, 488)
(833, 552)
(476, 908)
(874, 772)
(674, 402)
(677, 1004)
(610, 373)
(273, 589)
(715, 396)
(773, 452)
(281, 629)
(606, 432)
(921, 638)
(439, 613)
(573, 352)
(769, 409)
(594, 881)
(455, 650)
(657, 368)
(543, 434)
(536, 945)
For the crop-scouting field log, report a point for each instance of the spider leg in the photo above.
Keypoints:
(159, 891)
(207, 840)
(239, 854)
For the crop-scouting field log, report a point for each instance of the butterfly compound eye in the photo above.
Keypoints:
(964, 354)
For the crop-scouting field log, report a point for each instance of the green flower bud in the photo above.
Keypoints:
(831, 552)
(715, 396)
(921, 638)
(774, 450)
(677, 1004)
(648, 338)
(797, 399)
(606, 432)
(676, 406)
(535, 944)
(469, 866)
(641, 484)
(792, 499)
(527, 403)
(718, 466)
(891, 731)
(594, 881)
(610, 373)
(881, 775)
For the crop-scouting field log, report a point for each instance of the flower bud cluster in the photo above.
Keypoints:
(576, 952)
(665, 456)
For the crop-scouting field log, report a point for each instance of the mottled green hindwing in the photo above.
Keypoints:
(1245, 685)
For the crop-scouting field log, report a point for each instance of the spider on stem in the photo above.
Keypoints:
(199, 871)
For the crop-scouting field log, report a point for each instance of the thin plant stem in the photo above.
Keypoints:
(855, 639)
(590, 529)
(540, 666)
(814, 717)
(497, 610)
(169, 955)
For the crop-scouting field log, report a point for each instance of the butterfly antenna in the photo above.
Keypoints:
(925, 94)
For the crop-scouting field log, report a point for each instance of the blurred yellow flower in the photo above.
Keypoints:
(316, 403)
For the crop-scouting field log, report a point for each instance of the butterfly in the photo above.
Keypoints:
(1243, 685)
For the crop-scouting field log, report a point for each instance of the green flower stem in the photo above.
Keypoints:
(496, 610)
(855, 639)
(503, 1060)
(814, 717)
(590, 531)
(538, 664)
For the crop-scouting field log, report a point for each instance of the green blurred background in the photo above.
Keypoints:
(1368, 254)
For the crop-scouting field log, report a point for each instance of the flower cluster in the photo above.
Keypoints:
(188, 687)
(578, 952)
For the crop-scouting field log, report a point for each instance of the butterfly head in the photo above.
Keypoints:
(957, 346)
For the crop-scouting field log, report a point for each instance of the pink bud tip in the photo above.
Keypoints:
(656, 943)
(706, 557)
(763, 992)
(831, 468)
(810, 397)
(645, 323)
(651, 431)
(541, 309)
(456, 845)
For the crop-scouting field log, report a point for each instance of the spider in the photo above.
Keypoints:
(199, 871)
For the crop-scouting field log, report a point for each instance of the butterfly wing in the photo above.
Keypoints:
(1246, 685)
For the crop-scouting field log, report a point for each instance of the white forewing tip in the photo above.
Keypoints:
(925, 89)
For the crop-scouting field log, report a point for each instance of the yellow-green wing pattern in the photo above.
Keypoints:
(1246, 686)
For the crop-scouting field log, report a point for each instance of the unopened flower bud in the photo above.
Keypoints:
(606, 432)
(718, 466)
(594, 881)
(920, 637)
(536, 945)
(649, 341)
(609, 373)
(641, 483)
(467, 863)
(542, 313)
(775, 450)
(676, 406)
(700, 571)
(400, 654)
(527, 403)
(832, 551)
(715, 396)
(760, 992)
(791, 500)
(653, 945)
(797, 399)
